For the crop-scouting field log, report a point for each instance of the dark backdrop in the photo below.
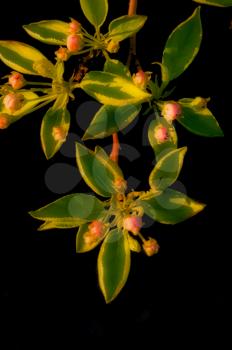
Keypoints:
(183, 288)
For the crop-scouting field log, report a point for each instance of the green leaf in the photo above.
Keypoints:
(81, 245)
(170, 207)
(95, 11)
(98, 170)
(118, 68)
(55, 127)
(112, 89)
(30, 101)
(110, 119)
(198, 119)
(69, 211)
(219, 3)
(125, 26)
(51, 32)
(162, 148)
(25, 59)
(113, 264)
(134, 244)
(167, 169)
(181, 47)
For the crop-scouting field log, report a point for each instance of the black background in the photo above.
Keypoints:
(182, 290)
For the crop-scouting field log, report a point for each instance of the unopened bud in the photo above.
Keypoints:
(4, 121)
(96, 232)
(13, 102)
(112, 46)
(59, 134)
(74, 42)
(132, 224)
(140, 79)
(120, 185)
(74, 27)
(62, 54)
(161, 134)
(151, 247)
(16, 80)
(171, 110)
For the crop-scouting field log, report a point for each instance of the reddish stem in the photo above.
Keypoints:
(115, 148)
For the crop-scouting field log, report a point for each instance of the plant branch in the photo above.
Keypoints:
(131, 12)
(115, 148)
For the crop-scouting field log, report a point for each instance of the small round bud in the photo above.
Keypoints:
(4, 121)
(171, 110)
(112, 46)
(13, 102)
(74, 42)
(96, 232)
(16, 80)
(59, 134)
(161, 134)
(74, 27)
(151, 247)
(62, 54)
(140, 79)
(132, 224)
(120, 185)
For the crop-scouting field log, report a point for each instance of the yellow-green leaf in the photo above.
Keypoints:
(181, 47)
(134, 244)
(112, 89)
(51, 32)
(125, 26)
(113, 264)
(219, 3)
(170, 207)
(167, 169)
(98, 170)
(95, 11)
(25, 59)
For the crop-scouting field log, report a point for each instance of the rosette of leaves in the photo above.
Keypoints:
(106, 179)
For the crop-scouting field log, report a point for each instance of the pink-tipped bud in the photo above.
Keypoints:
(74, 27)
(161, 134)
(120, 185)
(62, 54)
(112, 46)
(13, 102)
(16, 80)
(171, 110)
(140, 79)
(132, 224)
(4, 121)
(59, 134)
(74, 42)
(96, 232)
(151, 247)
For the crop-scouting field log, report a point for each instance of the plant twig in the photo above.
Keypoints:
(115, 148)
(132, 11)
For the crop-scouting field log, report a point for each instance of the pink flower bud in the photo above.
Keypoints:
(120, 185)
(161, 134)
(151, 247)
(74, 42)
(59, 134)
(13, 102)
(4, 121)
(112, 46)
(16, 80)
(62, 54)
(171, 110)
(96, 232)
(132, 224)
(140, 79)
(74, 27)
